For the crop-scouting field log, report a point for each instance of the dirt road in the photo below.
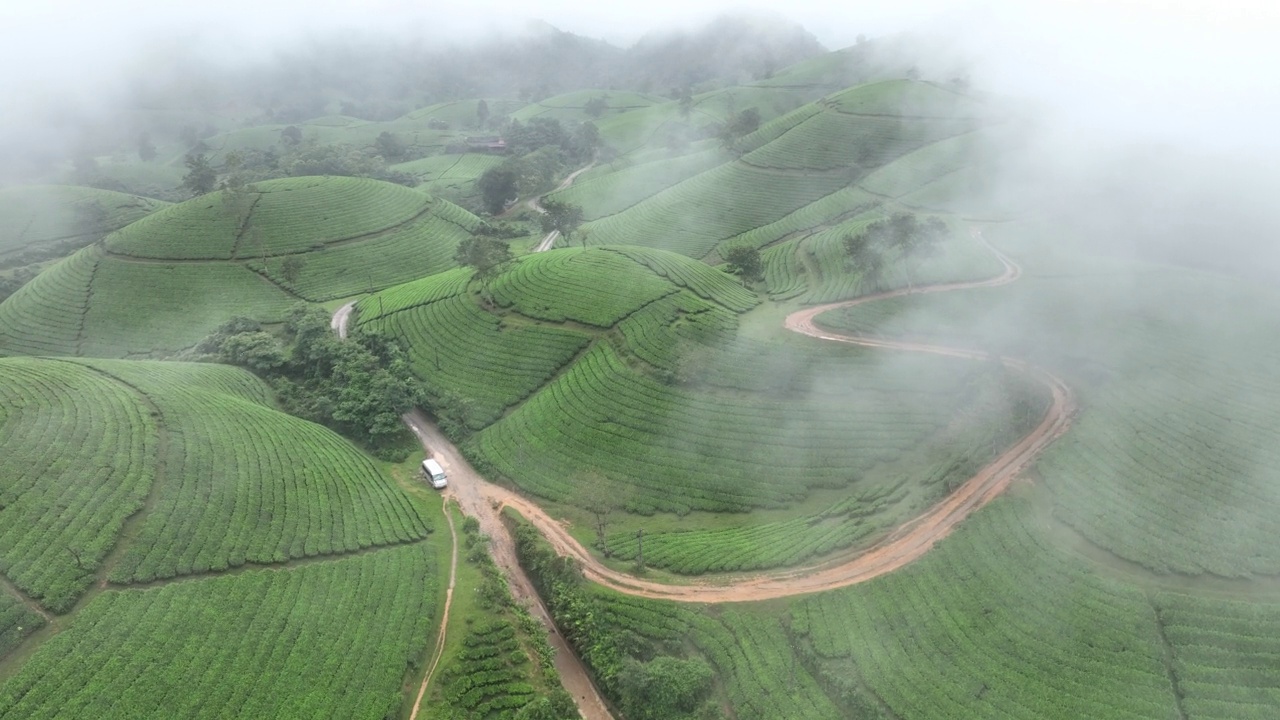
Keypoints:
(484, 501)
(442, 633)
(536, 205)
(474, 495)
(338, 323)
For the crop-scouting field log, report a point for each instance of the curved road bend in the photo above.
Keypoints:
(910, 541)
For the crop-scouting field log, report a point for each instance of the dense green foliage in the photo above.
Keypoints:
(330, 639)
(623, 662)
(360, 387)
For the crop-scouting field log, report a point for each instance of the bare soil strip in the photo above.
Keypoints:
(444, 618)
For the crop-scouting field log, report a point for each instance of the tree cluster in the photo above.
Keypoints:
(560, 216)
(744, 261)
(359, 387)
(296, 158)
(647, 681)
(903, 234)
(542, 150)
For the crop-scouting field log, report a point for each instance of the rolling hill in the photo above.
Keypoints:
(646, 385)
(794, 161)
(161, 284)
(119, 476)
(51, 219)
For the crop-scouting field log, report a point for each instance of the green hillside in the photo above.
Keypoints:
(795, 161)
(253, 253)
(120, 475)
(450, 176)
(222, 476)
(643, 129)
(645, 383)
(58, 219)
(999, 620)
(264, 643)
(574, 107)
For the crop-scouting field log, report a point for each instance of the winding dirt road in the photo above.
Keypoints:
(473, 495)
(907, 543)
(484, 500)
(536, 205)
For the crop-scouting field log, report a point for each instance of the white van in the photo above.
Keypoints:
(434, 474)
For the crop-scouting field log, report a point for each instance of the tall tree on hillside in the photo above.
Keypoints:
(917, 241)
(596, 106)
(866, 255)
(484, 254)
(498, 185)
(201, 178)
(744, 261)
(389, 147)
(561, 216)
(482, 113)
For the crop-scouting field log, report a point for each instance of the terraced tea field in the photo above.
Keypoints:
(264, 643)
(548, 308)
(118, 475)
(79, 459)
(793, 172)
(572, 108)
(48, 217)
(451, 176)
(224, 255)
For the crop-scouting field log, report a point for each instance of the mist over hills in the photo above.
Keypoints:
(920, 378)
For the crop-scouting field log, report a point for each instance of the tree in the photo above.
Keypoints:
(291, 268)
(866, 256)
(259, 351)
(666, 687)
(740, 124)
(744, 260)
(599, 498)
(146, 148)
(596, 107)
(389, 146)
(291, 135)
(497, 186)
(586, 138)
(201, 178)
(685, 96)
(560, 216)
(482, 113)
(483, 253)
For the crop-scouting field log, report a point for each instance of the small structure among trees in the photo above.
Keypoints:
(493, 144)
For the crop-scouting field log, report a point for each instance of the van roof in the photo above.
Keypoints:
(432, 466)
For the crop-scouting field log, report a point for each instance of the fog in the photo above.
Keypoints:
(1168, 105)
